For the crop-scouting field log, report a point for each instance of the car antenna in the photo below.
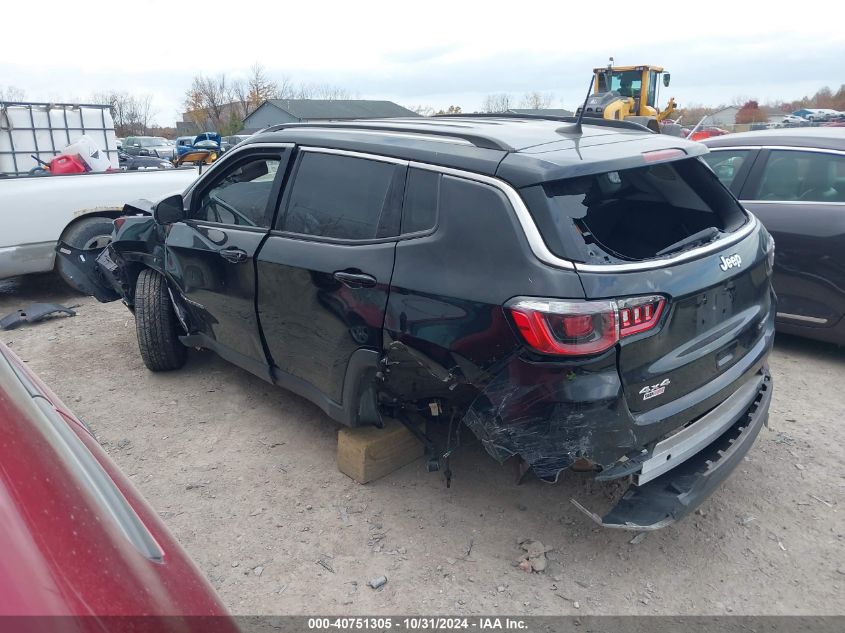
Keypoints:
(575, 128)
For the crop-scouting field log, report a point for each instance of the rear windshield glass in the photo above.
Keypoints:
(634, 214)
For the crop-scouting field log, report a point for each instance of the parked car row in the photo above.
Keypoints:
(149, 146)
(158, 147)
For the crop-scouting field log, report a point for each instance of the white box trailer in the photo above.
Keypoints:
(30, 130)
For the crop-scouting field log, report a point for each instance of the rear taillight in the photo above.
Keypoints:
(118, 222)
(577, 328)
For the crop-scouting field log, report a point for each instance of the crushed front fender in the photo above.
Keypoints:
(91, 272)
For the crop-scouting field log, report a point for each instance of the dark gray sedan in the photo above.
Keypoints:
(793, 180)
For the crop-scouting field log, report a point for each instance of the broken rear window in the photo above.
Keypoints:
(633, 214)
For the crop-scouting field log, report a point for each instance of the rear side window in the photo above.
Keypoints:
(803, 175)
(343, 197)
(726, 164)
(633, 214)
(422, 192)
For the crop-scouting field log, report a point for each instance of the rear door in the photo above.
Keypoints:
(799, 195)
(210, 257)
(324, 272)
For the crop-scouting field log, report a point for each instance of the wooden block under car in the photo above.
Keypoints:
(366, 453)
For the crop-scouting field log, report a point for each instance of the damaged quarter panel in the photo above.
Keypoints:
(465, 349)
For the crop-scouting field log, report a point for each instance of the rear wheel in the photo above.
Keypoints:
(89, 234)
(156, 324)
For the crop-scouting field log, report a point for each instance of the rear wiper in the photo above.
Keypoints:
(704, 236)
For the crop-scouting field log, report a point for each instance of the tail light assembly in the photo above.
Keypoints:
(578, 328)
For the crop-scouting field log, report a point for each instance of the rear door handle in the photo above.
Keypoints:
(355, 280)
(234, 255)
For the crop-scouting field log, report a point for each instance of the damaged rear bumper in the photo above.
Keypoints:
(661, 500)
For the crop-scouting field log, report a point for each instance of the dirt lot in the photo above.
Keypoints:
(244, 475)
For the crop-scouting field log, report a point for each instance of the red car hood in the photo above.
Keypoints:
(76, 537)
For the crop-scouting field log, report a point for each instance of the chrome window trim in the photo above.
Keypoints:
(790, 148)
(799, 202)
(542, 252)
(529, 228)
(351, 154)
(801, 317)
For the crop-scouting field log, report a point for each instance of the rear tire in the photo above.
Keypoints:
(89, 234)
(156, 324)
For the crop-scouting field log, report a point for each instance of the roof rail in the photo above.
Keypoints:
(630, 125)
(479, 140)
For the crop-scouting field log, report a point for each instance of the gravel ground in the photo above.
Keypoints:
(244, 475)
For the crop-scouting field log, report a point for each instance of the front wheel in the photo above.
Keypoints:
(156, 324)
(88, 234)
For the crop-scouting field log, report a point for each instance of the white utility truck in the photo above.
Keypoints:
(38, 208)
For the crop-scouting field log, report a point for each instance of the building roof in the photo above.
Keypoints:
(334, 109)
(542, 111)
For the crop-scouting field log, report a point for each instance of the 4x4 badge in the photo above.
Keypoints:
(734, 261)
(651, 391)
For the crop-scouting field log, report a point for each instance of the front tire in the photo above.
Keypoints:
(156, 324)
(88, 234)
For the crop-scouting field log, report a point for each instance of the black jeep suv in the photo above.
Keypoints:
(571, 293)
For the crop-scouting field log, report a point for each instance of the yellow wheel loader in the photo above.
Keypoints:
(628, 93)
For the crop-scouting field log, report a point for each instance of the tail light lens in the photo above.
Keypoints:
(118, 222)
(577, 328)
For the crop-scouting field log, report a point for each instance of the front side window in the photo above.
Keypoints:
(726, 164)
(241, 196)
(341, 197)
(802, 175)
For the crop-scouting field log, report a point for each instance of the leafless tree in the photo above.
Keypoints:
(208, 102)
(422, 110)
(132, 114)
(221, 104)
(537, 100)
(321, 91)
(500, 102)
(260, 86)
(11, 93)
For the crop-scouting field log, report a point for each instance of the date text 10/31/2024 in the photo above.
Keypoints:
(416, 624)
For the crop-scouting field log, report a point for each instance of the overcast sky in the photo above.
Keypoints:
(425, 53)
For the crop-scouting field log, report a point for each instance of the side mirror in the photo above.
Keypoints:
(169, 210)
(666, 77)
